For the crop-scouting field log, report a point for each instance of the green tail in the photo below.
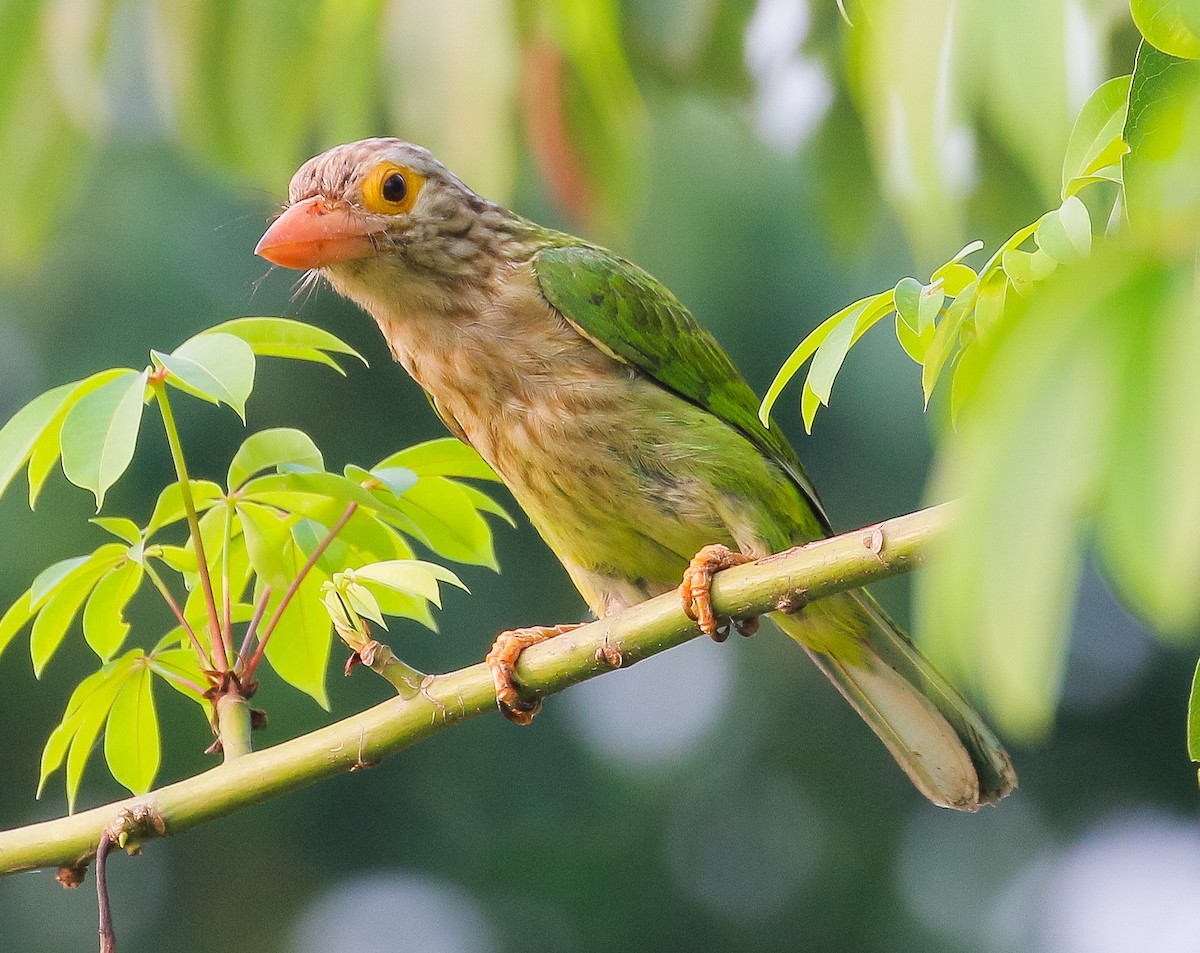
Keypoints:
(942, 744)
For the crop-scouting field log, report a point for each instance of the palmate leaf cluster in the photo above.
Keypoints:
(274, 538)
(1070, 359)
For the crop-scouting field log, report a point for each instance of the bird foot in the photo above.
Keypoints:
(502, 660)
(696, 591)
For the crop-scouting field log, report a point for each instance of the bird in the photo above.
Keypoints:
(617, 422)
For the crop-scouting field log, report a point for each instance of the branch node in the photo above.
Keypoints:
(71, 876)
(608, 654)
(792, 601)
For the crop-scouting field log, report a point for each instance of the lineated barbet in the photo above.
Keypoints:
(618, 423)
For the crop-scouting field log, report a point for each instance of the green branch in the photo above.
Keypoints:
(784, 581)
(189, 506)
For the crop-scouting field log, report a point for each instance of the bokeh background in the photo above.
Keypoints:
(770, 163)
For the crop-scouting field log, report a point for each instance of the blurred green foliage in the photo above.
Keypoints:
(143, 142)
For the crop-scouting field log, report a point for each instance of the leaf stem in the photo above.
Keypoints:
(189, 505)
(226, 596)
(252, 628)
(161, 586)
(292, 589)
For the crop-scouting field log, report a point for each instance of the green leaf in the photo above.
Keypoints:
(1193, 724)
(1163, 131)
(804, 350)
(907, 295)
(195, 609)
(1024, 460)
(915, 345)
(446, 456)
(91, 716)
(1149, 523)
(100, 432)
(965, 383)
(104, 624)
(396, 480)
(180, 558)
(448, 521)
(413, 576)
(954, 277)
(364, 602)
(119, 527)
(48, 446)
(60, 738)
(1168, 24)
(1096, 139)
(929, 306)
(485, 504)
(45, 582)
(283, 337)
(131, 740)
(267, 538)
(1024, 269)
(299, 645)
(945, 339)
(15, 619)
(20, 434)
(831, 354)
(59, 612)
(218, 368)
(179, 668)
(270, 448)
(169, 507)
(989, 304)
(1065, 234)
(289, 490)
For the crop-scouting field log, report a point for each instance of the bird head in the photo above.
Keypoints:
(383, 216)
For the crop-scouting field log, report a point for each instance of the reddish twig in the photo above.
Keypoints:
(336, 528)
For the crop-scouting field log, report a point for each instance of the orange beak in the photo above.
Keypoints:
(314, 233)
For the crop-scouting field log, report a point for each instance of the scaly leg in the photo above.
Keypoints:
(696, 586)
(502, 659)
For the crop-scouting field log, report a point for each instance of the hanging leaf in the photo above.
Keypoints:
(218, 368)
(299, 645)
(18, 436)
(131, 736)
(100, 432)
(120, 527)
(804, 350)
(270, 448)
(1065, 234)
(907, 298)
(447, 520)
(59, 611)
(104, 624)
(1096, 140)
(15, 619)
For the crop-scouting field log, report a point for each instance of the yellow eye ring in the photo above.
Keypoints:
(391, 189)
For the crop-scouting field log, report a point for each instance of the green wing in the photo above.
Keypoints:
(629, 315)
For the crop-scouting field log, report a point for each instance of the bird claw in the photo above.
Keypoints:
(502, 660)
(696, 591)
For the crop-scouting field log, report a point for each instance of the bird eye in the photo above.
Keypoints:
(391, 189)
(394, 188)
